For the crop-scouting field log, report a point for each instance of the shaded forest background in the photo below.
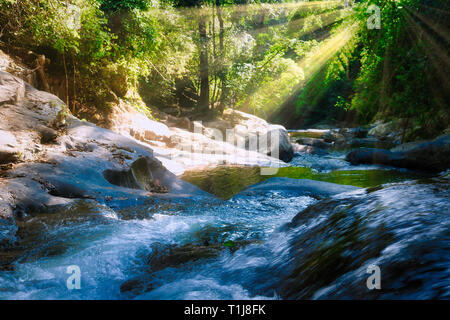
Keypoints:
(300, 64)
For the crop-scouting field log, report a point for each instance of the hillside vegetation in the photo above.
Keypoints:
(295, 63)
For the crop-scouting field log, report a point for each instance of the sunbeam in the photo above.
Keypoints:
(440, 29)
(304, 69)
(432, 49)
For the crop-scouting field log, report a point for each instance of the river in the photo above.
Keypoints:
(244, 246)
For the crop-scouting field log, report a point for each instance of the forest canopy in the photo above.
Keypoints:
(294, 62)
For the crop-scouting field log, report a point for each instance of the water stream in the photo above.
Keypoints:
(239, 248)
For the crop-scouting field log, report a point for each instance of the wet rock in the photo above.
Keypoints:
(275, 143)
(8, 227)
(432, 155)
(169, 256)
(375, 156)
(428, 156)
(387, 130)
(67, 189)
(301, 149)
(314, 142)
(272, 140)
(333, 136)
(317, 189)
(135, 286)
(402, 228)
(57, 173)
(406, 146)
(139, 176)
(371, 142)
(174, 256)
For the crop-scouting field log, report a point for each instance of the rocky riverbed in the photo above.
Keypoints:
(145, 216)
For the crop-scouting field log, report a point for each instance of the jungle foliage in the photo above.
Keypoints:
(295, 62)
(396, 71)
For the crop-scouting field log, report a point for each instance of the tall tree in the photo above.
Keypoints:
(203, 101)
(222, 71)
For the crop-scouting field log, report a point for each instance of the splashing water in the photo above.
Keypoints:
(109, 250)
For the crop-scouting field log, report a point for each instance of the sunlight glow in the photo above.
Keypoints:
(278, 90)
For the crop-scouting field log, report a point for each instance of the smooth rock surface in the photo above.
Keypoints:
(427, 155)
(58, 167)
(402, 228)
(298, 186)
(314, 142)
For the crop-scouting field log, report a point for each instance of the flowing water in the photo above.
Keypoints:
(244, 247)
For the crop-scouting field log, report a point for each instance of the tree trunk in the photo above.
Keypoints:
(204, 66)
(222, 71)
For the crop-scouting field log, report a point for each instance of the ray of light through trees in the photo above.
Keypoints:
(292, 62)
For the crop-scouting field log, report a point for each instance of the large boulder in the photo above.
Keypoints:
(330, 248)
(285, 150)
(306, 187)
(58, 167)
(196, 149)
(430, 155)
(273, 140)
(8, 228)
(314, 142)
(369, 142)
(387, 130)
(300, 149)
(427, 155)
(376, 156)
(333, 136)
